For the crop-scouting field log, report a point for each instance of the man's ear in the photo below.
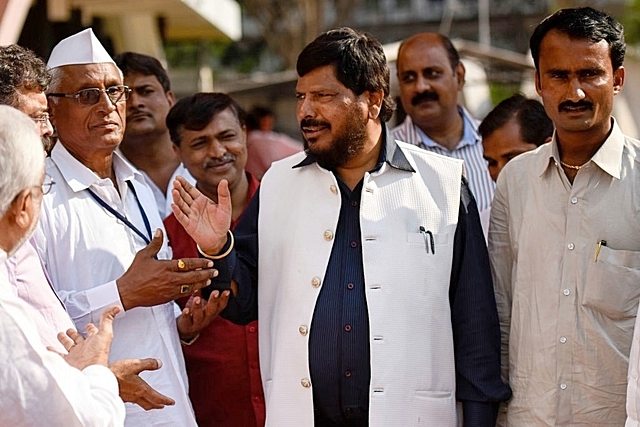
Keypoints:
(171, 98)
(375, 103)
(22, 209)
(460, 73)
(618, 80)
(536, 79)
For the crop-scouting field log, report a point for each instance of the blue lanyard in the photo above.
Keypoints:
(123, 218)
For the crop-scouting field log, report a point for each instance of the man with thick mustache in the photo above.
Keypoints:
(430, 75)
(365, 260)
(210, 137)
(565, 236)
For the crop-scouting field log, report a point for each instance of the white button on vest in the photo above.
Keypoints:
(315, 282)
(566, 292)
(328, 235)
(305, 383)
(303, 330)
(563, 340)
(574, 200)
(571, 246)
(563, 386)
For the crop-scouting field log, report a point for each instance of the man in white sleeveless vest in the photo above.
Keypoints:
(375, 294)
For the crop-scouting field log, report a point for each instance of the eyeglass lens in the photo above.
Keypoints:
(92, 96)
(47, 184)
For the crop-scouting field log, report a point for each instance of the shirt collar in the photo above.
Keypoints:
(79, 177)
(390, 153)
(608, 157)
(470, 135)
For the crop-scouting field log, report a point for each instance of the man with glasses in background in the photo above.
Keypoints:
(100, 235)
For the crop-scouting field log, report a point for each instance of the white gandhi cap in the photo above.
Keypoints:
(80, 48)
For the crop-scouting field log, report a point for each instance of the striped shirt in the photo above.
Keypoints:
(468, 149)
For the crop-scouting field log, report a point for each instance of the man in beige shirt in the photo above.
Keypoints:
(565, 238)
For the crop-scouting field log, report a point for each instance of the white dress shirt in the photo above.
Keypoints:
(86, 249)
(38, 387)
(164, 198)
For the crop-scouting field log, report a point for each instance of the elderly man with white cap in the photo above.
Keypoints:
(96, 232)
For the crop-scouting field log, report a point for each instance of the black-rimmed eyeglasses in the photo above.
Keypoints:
(91, 96)
(47, 184)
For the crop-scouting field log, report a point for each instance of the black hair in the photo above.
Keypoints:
(195, 112)
(535, 125)
(358, 60)
(131, 62)
(582, 23)
(20, 69)
(256, 114)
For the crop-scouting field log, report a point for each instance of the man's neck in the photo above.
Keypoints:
(154, 155)
(577, 148)
(353, 172)
(447, 133)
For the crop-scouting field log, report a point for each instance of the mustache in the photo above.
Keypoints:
(570, 104)
(312, 123)
(424, 96)
(226, 158)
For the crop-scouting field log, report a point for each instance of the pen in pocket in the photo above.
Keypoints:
(428, 239)
(601, 243)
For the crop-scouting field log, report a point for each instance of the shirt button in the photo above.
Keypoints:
(350, 286)
(328, 235)
(256, 399)
(347, 374)
(254, 365)
(347, 328)
(315, 282)
(563, 340)
(354, 203)
(252, 329)
(354, 244)
(563, 386)
(574, 200)
(303, 330)
(305, 383)
(571, 246)
(334, 189)
(566, 292)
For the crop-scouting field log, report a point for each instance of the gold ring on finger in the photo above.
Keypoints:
(181, 265)
(185, 289)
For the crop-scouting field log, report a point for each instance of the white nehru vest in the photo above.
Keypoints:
(407, 287)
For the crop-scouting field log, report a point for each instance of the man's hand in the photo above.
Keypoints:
(205, 221)
(94, 349)
(134, 389)
(148, 281)
(198, 313)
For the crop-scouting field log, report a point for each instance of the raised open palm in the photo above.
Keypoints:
(205, 221)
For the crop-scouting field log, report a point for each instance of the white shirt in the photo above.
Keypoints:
(38, 387)
(85, 249)
(164, 199)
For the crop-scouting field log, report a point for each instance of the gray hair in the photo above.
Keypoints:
(21, 155)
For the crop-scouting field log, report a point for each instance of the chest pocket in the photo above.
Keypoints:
(612, 285)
